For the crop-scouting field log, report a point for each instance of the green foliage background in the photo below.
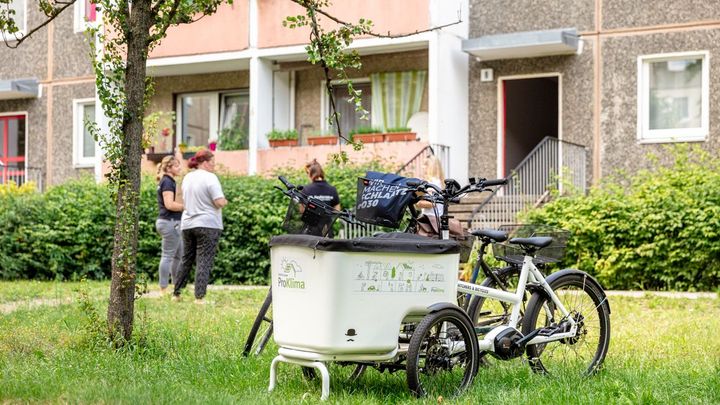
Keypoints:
(658, 229)
(67, 232)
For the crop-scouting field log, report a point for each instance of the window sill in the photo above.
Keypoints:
(681, 139)
(83, 165)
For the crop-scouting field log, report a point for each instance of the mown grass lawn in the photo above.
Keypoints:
(663, 350)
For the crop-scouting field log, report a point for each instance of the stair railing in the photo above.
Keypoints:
(550, 165)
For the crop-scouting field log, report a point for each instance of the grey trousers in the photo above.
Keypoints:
(172, 248)
(200, 246)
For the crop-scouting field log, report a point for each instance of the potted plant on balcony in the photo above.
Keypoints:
(282, 138)
(400, 134)
(159, 133)
(367, 135)
(326, 138)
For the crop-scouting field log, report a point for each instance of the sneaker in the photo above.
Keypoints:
(176, 298)
(200, 301)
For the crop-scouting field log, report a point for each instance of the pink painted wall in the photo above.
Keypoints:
(226, 30)
(236, 162)
(397, 16)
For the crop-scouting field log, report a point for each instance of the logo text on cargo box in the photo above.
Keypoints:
(290, 275)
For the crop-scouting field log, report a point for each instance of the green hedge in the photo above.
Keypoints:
(66, 233)
(658, 229)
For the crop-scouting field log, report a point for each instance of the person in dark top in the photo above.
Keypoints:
(168, 221)
(318, 187)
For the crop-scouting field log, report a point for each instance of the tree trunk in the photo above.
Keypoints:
(122, 289)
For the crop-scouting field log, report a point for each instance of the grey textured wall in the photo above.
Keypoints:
(30, 58)
(641, 13)
(71, 56)
(620, 148)
(576, 93)
(62, 130)
(307, 88)
(488, 17)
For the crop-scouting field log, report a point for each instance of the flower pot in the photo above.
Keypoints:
(322, 140)
(283, 142)
(368, 138)
(157, 157)
(400, 136)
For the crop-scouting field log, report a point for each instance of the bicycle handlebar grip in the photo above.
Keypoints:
(413, 183)
(495, 182)
(285, 182)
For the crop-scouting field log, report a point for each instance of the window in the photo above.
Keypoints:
(83, 142)
(349, 118)
(19, 9)
(85, 13)
(673, 96)
(204, 118)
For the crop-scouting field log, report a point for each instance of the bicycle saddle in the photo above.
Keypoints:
(537, 241)
(497, 236)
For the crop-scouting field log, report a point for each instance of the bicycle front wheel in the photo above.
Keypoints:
(442, 357)
(582, 353)
(261, 330)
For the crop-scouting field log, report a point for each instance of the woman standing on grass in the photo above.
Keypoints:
(201, 223)
(168, 221)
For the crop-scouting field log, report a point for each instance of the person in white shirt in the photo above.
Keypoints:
(201, 223)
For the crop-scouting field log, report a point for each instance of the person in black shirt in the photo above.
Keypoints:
(319, 188)
(168, 221)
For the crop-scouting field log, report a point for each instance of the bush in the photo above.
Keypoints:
(67, 233)
(661, 231)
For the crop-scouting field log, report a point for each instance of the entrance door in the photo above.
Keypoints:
(530, 113)
(12, 149)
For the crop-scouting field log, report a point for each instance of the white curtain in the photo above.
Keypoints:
(396, 96)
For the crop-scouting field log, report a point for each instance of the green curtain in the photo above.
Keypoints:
(396, 96)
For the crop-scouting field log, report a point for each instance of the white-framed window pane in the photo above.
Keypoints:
(350, 118)
(196, 116)
(88, 143)
(675, 94)
(235, 121)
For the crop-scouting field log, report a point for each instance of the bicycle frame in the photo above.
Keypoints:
(528, 273)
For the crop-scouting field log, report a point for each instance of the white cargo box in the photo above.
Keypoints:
(335, 296)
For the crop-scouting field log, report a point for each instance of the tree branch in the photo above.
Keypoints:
(56, 12)
(168, 21)
(305, 4)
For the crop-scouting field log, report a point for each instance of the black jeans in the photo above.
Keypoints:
(200, 246)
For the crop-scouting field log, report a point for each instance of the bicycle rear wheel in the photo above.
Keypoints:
(261, 330)
(583, 353)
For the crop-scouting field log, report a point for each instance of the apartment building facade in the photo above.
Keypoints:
(622, 78)
(47, 89)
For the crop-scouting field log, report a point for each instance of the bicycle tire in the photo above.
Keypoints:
(253, 345)
(429, 359)
(541, 356)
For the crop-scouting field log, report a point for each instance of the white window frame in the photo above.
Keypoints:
(216, 110)
(80, 24)
(79, 161)
(21, 33)
(325, 100)
(647, 135)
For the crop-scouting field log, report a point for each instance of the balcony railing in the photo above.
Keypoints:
(20, 176)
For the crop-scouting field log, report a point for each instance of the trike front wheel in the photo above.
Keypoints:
(442, 354)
